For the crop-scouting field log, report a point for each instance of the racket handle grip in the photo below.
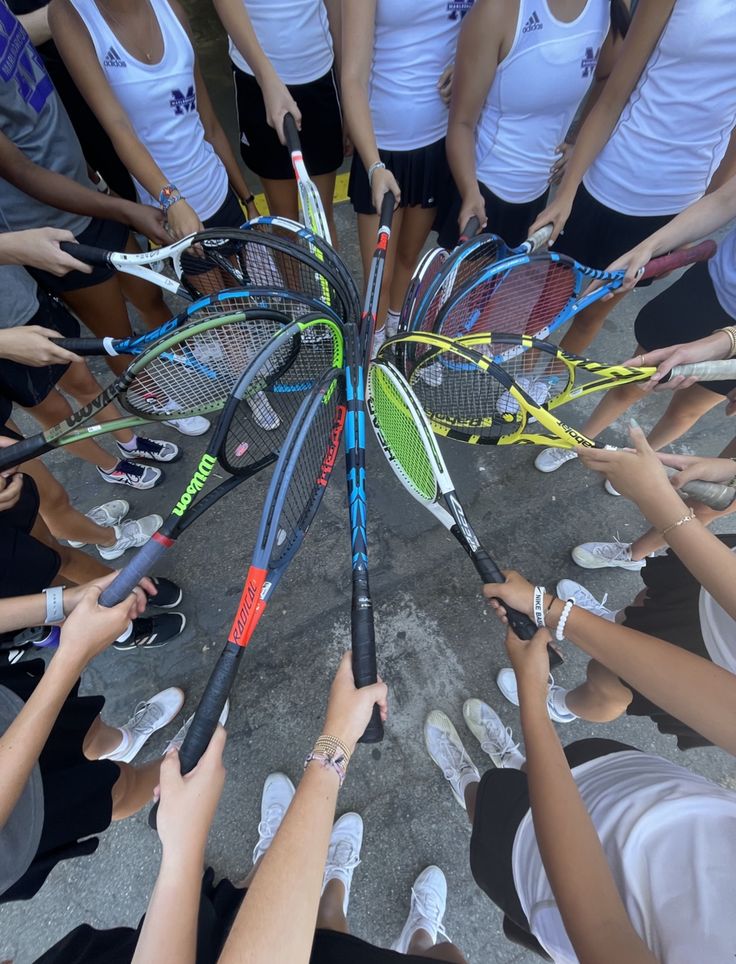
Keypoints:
(538, 240)
(291, 134)
(713, 494)
(364, 651)
(387, 211)
(677, 259)
(85, 252)
(84, 346)
(470, 230)
(129, 577)
(29, 448)
(207, 714)
(707, 371)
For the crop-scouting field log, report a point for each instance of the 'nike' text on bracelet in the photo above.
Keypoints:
(539, 592)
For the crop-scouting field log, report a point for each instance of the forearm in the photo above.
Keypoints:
(36, 25)
(697, 221)
(334, 19)
(586, 895)
(461, 156)
(287, 886)
(234, 18)
(21, 611)
(359, 119)
(169, 933)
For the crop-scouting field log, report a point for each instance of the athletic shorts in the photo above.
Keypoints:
(100, 233)
(508, 220)
(229, 214)
(321, 133)
(501, 805)
(29, 386)
(689, 309)
(421, 174)
(596, 235)
(28, 565)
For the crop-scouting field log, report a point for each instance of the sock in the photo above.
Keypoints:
(467, 776)
(131, 445)
(392, 323)
(378, 339)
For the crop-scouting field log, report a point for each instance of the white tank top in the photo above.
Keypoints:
(414, 41)
(675, 128)
(521, 123)
(669, 836)
(161, 103)
(295, 63)
(722, 268)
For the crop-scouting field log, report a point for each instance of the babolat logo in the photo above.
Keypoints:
(183, 103)
(199, 480)
(580, 439)
(331, 456)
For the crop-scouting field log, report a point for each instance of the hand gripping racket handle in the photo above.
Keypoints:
(84, 346)
(291, 134)
(677, 259)
(470, 230)
(85, 252)
(129, 577)
(489, 572)
(29, 448)
(387, 211)
(537, 240)
(707, 371)
(364, 651)
(208, 713)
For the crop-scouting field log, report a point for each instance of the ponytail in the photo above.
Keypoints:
(620, 18)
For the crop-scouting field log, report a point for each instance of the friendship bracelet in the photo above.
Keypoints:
(169, 195)
(566, 610)
(729, 330)
(332, 754)
(329, 763)
(680, 522)
(377, 166)
(539, 613)
(54, 604)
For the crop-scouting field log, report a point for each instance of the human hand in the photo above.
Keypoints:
(74, 594)
(279, 102)
(530, 662)
(91, 627)
(187, 803)
(693, 467)
(350, 708)
(34, 346)
(383, 180)
(633, 263)
(516, 593)
(182, 220)
(473, 206)
(444, 84)
(715, 346)
(40, 248)
(557, 171)
(556, 213)
(147, 220)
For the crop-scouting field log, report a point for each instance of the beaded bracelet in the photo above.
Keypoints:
(566, 610)
(680, 522)
(332, 754)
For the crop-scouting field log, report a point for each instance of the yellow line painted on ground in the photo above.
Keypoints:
(340, 195)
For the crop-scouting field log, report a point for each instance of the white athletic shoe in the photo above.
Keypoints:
(506, 682)
(263, 413)
(550, 460)
(569, 589)
(278, 792)
(149, 716)
(604, 555)
(427, 908)
(610, 489)
(130, 535)
(392, 324)
(107, 514)
(176, 743)
(193, 425)
(537, 389)
(446, 749)
(495, 739)
(343, 854)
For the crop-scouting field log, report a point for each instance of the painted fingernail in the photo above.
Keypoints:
(633, 423)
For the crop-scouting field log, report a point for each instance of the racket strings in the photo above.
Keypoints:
(541, 373)
(429, 267)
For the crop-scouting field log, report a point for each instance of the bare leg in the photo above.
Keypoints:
(325, 184)
(282, 198)
(76, 566)
(412, 235)
(421, 945)
(147, 298)
(330, 915)
(683, 411)
(101, 739)
(134, 788)
(602, 697)
(587, 324)
(79, 382)
(61, 518)
(54, 409)
(102, 309)
(367, 231)
(471, 793)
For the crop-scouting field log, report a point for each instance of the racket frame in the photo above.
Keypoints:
(310, 201)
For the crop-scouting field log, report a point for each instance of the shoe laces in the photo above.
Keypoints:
(144, 716)
(126, 467)
(618, 549)
(501, 743)
(454, 757)
(148, 445)
(270, 824)
(428, 906)
(343, 856)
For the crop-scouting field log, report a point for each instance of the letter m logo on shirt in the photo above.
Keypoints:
(589, 61)
(183, 103)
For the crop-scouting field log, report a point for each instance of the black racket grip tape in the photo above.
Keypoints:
(29, 448)
(207, 715)
(82, 346)
(387, 209)
(364, 659)
(291, 134)
(129, 577)
(85, 252)
(470, 230)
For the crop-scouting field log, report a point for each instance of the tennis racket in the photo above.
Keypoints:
(478, 401)
(298, 483)
(313, 212)
(375, 275)
(406, 439)
(284, 371)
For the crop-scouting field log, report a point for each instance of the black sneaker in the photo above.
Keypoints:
(168, 595)
(136, 476)
(150, 632)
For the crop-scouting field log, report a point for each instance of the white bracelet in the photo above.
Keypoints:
(54, 604)
(566, 610)
(378, 166)
(539, 592)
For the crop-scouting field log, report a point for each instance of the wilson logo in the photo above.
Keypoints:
(198, 482)
(331, 456)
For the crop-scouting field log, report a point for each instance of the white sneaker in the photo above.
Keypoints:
(569, 589)
(391, 327)
(148, 717)
(343, 854)
(610, 489)
(446, 749)
(506, 682)
(549, 460)
(427, 908)
(495, 739)
(131, 534)
(107, 514)
(537, 389)
(176, 743)
(603, 555)
(278, 792)
(194, 425)
(263, 414)
(431, 374)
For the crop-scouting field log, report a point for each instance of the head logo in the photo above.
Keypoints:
(183, 103)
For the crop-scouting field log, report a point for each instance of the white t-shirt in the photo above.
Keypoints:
(717, 627)
(161, 103)
(674, 130)
(522, 123)
(295, 36)
(669, 836)
(414, 41)
(722, 268)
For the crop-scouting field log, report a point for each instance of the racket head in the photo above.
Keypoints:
(427, 270)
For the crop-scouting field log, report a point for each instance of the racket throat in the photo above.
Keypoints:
(252, 604)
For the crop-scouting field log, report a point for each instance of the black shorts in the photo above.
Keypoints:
(28, 565)
(229, 214)
(671, 611)
(508, 220)
(501, 805)
(321, 133)
(421, 174)
(100, 233)
(596, 235)
(689, 309)
(77, 792)
(29, 386)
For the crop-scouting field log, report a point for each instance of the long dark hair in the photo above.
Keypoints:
(620, 17)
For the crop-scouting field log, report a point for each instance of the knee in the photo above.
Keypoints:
(608, 690)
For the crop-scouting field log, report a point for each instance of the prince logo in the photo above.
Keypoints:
(183, 103)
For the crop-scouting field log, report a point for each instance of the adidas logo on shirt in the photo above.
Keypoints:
(113, 59)
(533, 23)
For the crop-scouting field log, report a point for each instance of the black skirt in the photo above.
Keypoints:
(421, 174)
